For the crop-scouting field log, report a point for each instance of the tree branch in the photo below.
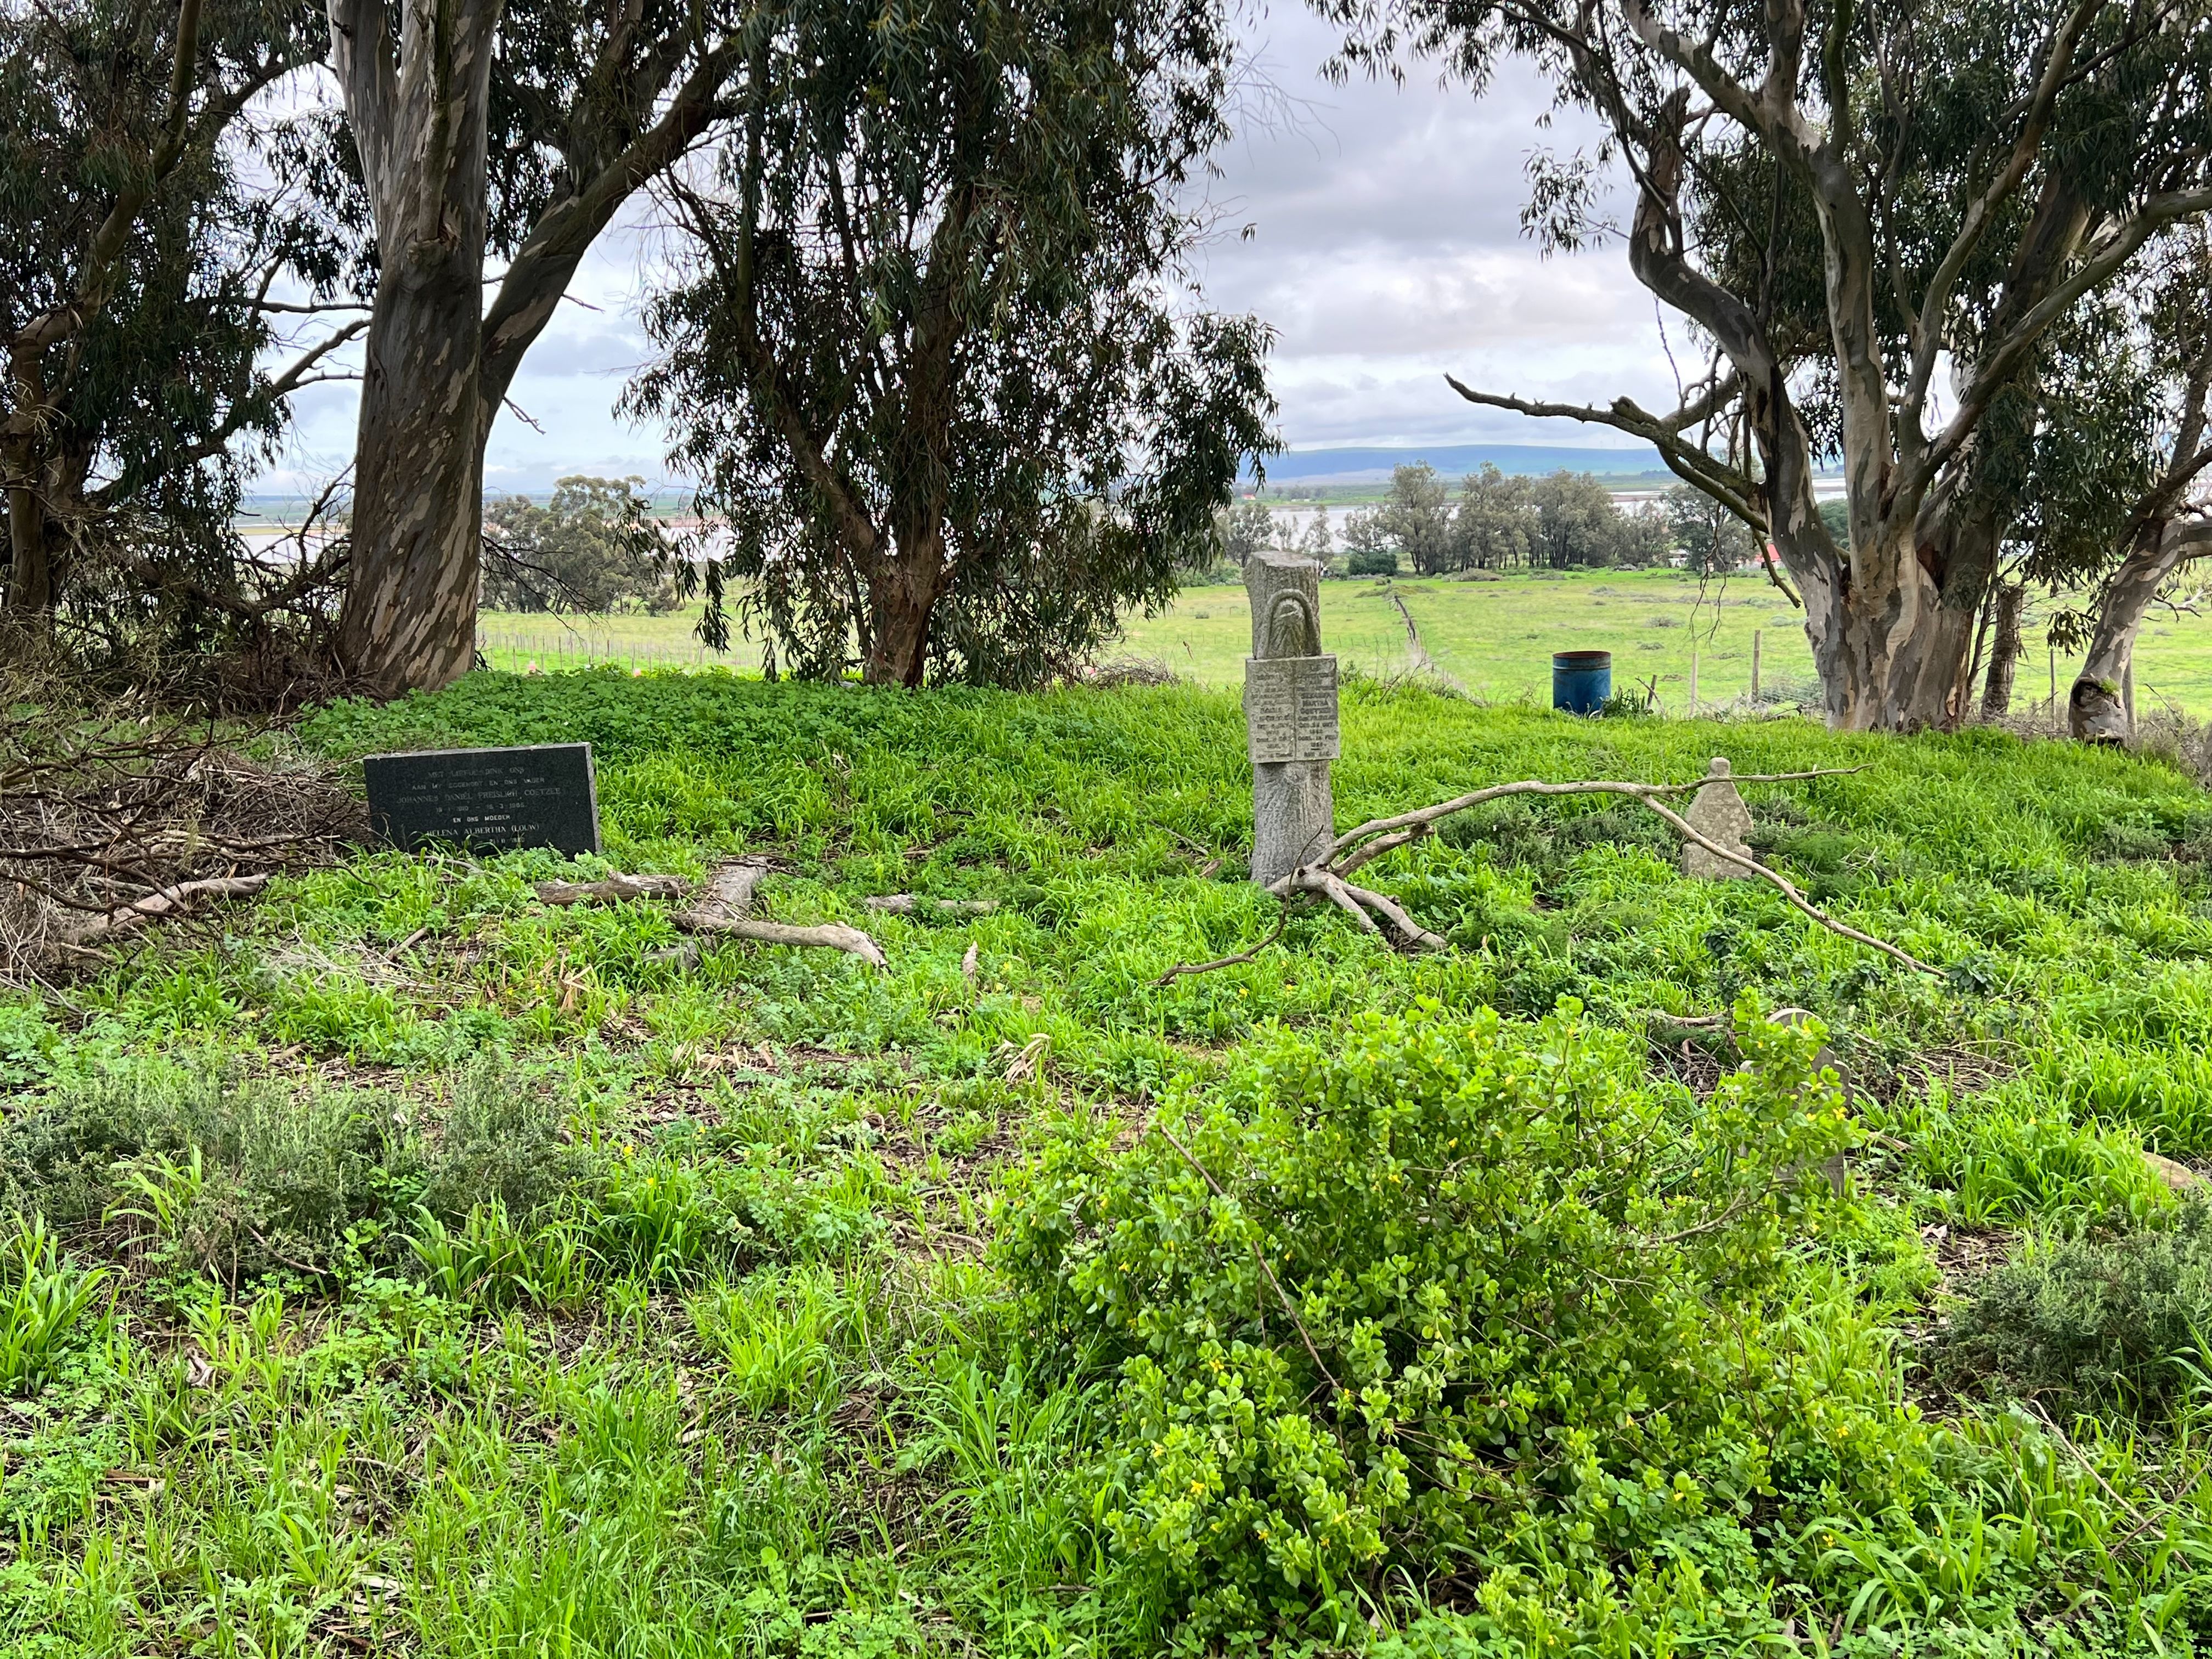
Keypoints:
(1929, 333)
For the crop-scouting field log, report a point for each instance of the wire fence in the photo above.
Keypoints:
(552, 650)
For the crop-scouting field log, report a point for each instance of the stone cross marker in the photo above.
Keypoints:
(1718, 813)
(544, 795)
(1289, 715)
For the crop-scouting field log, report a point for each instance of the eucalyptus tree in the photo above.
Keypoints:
(927, 366)
(2158, 480)
(139, 247)
(1846, 200)
(519, 130)
(1416, 518)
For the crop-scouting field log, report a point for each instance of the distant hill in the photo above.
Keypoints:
(1363, 465)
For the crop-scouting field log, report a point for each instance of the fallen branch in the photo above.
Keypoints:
(1282, 920)
(836, 935)
(1783, 885)
(1326, 876)
(1420, 821)
(729, 894)
(906, 904)
(615, 890)
(162, 903)
(723, 902)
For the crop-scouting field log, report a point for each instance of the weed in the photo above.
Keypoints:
(44, 1300)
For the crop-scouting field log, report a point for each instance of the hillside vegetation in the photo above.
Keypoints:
(403, 1265)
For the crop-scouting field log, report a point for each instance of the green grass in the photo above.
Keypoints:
(422, 1268)
(1495, 638)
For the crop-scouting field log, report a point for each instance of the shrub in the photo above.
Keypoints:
(231, 1174)
(1519, 1271)
(2123, 1321)
(1372, 561)
(500, 1141)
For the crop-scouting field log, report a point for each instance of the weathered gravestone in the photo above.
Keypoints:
(1718, 814)
(1289, 715)
(487, 799)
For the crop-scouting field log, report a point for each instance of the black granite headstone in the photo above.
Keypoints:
(487, 799)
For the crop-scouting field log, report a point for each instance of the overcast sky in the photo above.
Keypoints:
(1384, 247)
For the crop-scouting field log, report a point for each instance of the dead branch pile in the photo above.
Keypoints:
(109, 819)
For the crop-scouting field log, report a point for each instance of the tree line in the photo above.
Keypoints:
(1562, 520)
(924, 339)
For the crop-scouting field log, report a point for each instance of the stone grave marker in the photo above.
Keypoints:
(1289, 715)
(487, 799)
(1718, 813)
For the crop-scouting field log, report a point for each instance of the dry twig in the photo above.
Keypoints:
(1282, 920)
(906, 904)
(614, 889)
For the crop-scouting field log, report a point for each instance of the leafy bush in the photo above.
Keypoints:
(226, 1174)
(1516, 1269)
(2123, 1321)
(1372, 561)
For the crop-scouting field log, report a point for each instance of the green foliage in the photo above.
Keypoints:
(925, 367)
(499, 1141)
(730, 1367)
(44, 1300)
(2120, 1320)
(1372, 561)
(1449, 1265)
(492, 1263)
(1712, 539)
(145, 392)
(594, 547)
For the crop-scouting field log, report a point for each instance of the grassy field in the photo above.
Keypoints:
(403, 1265)
(1495, 639)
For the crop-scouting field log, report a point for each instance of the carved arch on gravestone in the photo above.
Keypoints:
(1293, 630)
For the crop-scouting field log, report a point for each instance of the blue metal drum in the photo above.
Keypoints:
(1582, 681)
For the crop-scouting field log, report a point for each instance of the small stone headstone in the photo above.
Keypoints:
(1718, 814)
(487, 799)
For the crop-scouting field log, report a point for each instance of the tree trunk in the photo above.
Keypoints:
(30, 576)
(902, 591)
(420, 121)
(1895, 656)
(410, 617)
(2097, 708)
(2004, 651)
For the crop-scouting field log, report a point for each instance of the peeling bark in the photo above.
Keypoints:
(2097, 707)
(2004, 651)
(439, 363)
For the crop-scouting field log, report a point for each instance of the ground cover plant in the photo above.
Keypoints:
(398, 1263)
